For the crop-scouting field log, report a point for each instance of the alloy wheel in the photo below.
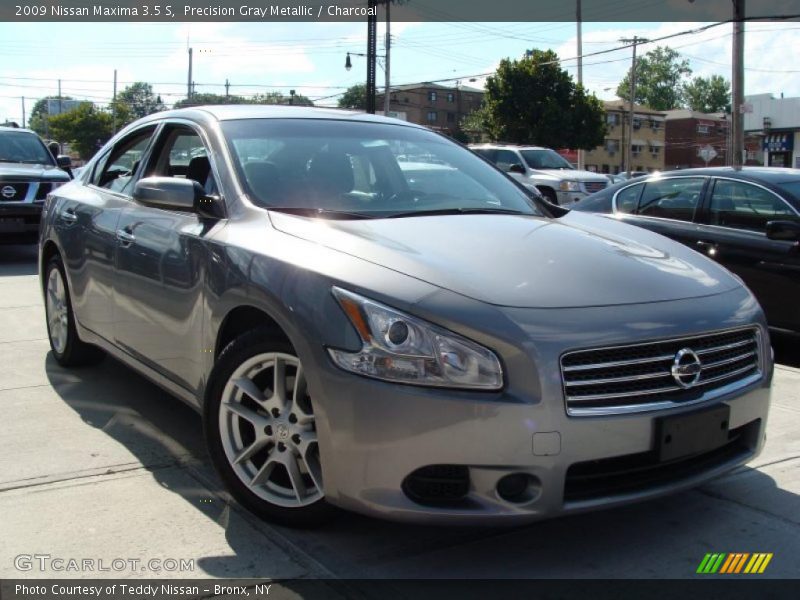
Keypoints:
(268, 432)
(57, 311)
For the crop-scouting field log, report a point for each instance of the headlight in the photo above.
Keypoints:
(569, 186)
(399, 347)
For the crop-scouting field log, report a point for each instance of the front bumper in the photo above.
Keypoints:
(567, 198)
(19, 221)
(374, 435)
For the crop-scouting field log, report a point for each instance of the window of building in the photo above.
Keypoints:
(654, 125)
(451, 97)
(612, 146)
(612, 119)
(654, 149)
(432, 96)
(451, 117)
(637, 122)
(432, 116)
(636, 150)
(604, 169)
(744, 206)
(702, 128)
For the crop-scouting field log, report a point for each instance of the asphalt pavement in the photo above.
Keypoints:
(100, 464)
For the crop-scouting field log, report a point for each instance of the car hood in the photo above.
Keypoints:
(524, 261)
(571, 174)
(26, 172)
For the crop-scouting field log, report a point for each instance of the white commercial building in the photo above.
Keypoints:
(777, 120)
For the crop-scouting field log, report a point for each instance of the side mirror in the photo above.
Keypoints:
(64, 161)
(517, 168)
(170, 193)
(785, 231)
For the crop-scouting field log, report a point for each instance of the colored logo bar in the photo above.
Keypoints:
(734, 562)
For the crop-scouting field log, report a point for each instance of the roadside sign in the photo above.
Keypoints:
(707, 153)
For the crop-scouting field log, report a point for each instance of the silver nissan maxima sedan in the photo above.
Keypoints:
(371, 317)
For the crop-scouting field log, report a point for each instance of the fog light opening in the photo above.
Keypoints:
(519, 488)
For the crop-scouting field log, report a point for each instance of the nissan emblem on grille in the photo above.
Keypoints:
(686, 368)
(8, 192)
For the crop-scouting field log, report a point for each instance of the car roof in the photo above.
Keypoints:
(756, 174)
(230, 112)
(508, 146)
(4, 128)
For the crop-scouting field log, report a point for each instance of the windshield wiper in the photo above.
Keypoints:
(324, 213)
(457, 211)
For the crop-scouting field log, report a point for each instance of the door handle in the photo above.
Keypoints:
(126, 237)
(69, 215)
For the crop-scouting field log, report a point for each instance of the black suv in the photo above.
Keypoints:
(28, 172)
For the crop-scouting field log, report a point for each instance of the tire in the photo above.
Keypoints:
(262, 444)
(550, 196)
(67, 347)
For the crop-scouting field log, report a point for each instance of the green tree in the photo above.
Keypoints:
(354, 97)
(140, 100)
(85, 128)
(279, 98)
(201, 99)
(38, 115)
(660, 76)
(535, 101)
(708, 94)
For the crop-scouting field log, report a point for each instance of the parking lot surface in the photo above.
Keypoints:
(99, 463)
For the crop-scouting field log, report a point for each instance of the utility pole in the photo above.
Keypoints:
(372, 25)
(581, 154)
(114, 107)
(189, 79)
(629, 147)
(388, 43)
(23, 111)
(59, 110)
(737, 86)
(227, 87)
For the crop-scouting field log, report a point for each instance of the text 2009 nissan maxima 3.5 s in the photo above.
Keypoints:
(371, 317)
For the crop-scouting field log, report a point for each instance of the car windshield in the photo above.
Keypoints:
(346, 169)
(545, 159)
(23, 147)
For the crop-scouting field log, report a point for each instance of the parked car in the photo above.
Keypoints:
(557, 180)
(356, 335)
(747, 220)
(28, 172)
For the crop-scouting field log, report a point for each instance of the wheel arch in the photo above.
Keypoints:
(243, 318)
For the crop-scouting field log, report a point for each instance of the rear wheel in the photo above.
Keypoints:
(68, 349)
(261, 431)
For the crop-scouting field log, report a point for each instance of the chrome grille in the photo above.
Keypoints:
(639, 377)
(594, 186)
(13, 191)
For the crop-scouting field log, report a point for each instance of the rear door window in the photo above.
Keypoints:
(671, 198)
(117, 170)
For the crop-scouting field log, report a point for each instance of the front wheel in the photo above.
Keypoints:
(261, 431)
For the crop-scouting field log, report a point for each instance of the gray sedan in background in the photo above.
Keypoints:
(425, 342)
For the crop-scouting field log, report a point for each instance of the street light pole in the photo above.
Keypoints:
(372, 26)
(388, 43)
(578, 20)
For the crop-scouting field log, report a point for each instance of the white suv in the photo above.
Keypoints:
(545, 169)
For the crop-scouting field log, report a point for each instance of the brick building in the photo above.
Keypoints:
(692, 137)
(436, 106)
(646, 139)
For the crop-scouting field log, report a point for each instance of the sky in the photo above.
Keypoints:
(310, 57)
